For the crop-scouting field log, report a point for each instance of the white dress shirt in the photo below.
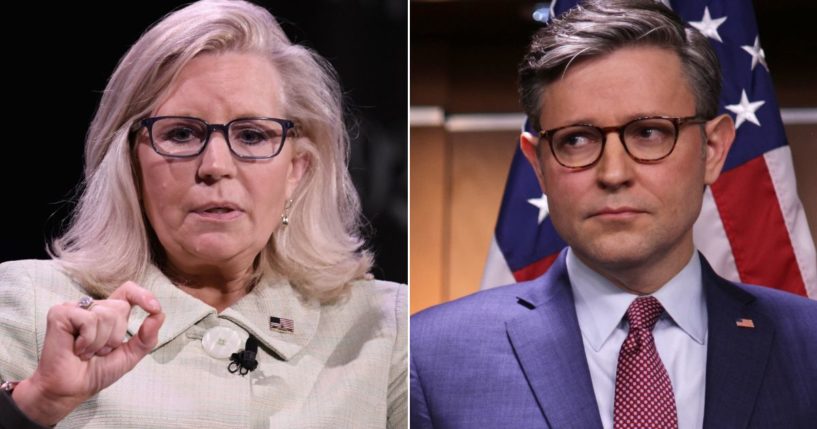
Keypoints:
(680, 335)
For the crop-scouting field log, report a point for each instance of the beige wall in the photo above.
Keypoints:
(803, 142)
(428, 216)
(457, 181)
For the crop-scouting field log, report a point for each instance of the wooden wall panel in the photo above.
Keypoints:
(479, 168)
(803, 143)
(427, 208)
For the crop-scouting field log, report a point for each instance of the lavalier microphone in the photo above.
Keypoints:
(244, 361)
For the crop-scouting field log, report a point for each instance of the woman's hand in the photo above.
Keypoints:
(85, 351)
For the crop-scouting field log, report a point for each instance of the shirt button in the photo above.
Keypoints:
(220, 342)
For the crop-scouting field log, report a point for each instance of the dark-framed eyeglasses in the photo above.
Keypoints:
(646, 140)
(247, 138)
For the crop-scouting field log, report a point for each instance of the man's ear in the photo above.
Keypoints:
(528, 143)
(720, 133)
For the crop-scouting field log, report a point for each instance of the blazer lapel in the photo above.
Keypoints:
(736, 355)
(548, 344)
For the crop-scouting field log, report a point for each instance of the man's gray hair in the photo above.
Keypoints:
(598, 27)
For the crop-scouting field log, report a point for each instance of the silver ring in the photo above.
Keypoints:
(85, 303)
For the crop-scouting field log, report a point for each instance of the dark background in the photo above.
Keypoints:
(57, 67)
(464, 53)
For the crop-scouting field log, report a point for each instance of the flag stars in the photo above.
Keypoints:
(542, 204)
(745, 110)
(758, 56)
(709, 26)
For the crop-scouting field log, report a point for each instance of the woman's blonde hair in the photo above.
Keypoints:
(109, 240)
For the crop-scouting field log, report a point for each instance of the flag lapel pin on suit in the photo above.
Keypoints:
(745, 323)
(281, 325)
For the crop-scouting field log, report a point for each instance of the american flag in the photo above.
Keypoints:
(745, 323)
(282, 325)
(752, 227)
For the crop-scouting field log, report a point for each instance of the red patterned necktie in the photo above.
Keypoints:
(644, 398)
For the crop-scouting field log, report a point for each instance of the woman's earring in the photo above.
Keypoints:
(285, 214)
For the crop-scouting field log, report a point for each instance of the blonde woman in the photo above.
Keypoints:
(213, 274)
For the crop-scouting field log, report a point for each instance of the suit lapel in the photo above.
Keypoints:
(736, 356)
(548, 345)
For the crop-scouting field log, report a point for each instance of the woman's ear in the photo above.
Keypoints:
(298, 166)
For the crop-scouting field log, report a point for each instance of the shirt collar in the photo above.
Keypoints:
(252, 312)
(600, 305)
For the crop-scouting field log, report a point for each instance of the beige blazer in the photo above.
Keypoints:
(344, 365)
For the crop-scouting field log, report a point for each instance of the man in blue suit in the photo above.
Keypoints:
(630, 328)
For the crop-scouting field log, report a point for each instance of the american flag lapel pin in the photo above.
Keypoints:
(281, 325)
(745, 323)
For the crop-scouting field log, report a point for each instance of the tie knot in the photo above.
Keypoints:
(644, 312)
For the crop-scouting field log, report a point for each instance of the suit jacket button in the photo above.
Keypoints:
(220, 342)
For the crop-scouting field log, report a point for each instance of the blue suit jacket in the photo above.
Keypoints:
(513, 357)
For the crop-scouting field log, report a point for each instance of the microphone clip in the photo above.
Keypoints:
(244, 361)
